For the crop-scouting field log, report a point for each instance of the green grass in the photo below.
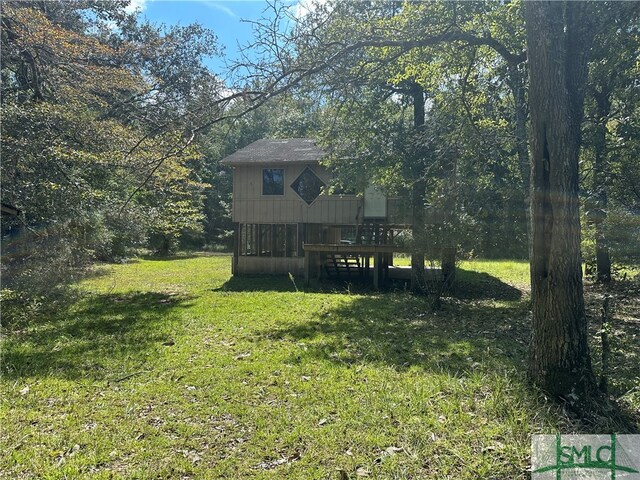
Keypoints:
(172, 369)
(514, 272)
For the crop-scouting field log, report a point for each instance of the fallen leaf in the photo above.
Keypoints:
(362, 472)
(322, 422)
(25, 390)
(492, 448)
(242, 355)
(280, 461)
(393, 450)
(296, 456)
(191, 455)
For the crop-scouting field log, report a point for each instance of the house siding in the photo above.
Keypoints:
(250, 206)
(269, 265)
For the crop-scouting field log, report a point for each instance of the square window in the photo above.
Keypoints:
(273, 181)
(308, 186)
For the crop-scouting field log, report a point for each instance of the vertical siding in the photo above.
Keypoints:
(270, 265)
(250, 206)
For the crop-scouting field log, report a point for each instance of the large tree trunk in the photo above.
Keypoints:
(558, 40)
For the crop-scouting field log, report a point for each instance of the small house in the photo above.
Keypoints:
(286, 221)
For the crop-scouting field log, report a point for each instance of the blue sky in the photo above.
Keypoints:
(224, 17)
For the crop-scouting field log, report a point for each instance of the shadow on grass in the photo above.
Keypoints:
(463, 339)
(171, 257)
(479, 285)
(284, 283)
(624, 336)
(470, 285)
(399, 330)
(99, 329)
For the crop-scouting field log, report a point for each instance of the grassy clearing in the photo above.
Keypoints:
(513, 272)
(172, 369)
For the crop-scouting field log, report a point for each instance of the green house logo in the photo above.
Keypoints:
(573, 457)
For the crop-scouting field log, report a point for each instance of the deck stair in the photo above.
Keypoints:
(348, 266)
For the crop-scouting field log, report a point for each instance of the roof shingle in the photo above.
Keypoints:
(268, 151)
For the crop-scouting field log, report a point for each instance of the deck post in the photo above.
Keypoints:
(236, 249)
(367, 261)
(307, 267)
(376, 270)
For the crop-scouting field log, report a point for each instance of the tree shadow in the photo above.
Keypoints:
(623, 334)
(463, 339)
(76, 342)
(469, 285)
(171, 257)
(284, 283)
(473, 285)
(399, 330)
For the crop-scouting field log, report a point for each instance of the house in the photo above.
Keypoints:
(286, 221)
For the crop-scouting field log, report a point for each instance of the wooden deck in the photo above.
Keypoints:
(314, 254)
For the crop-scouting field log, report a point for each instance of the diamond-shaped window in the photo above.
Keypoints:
(308, 186)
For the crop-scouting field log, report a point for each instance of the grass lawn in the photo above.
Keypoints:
(172, 369)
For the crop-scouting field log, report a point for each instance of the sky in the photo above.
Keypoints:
(227, 19)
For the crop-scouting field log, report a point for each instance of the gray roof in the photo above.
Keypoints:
(267, 151)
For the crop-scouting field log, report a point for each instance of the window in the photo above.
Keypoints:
(273, 181)
(292, 241)
(267, 240)
(248, 239)
(278, 240)
(308, 186)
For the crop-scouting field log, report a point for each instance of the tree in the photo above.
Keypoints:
(559, 36)
(611, 100)
(98, 133)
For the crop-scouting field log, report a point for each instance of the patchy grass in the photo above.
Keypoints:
(624, 337)
(171, 369)
(513, 272)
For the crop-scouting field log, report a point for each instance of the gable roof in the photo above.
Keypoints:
(268, 151)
